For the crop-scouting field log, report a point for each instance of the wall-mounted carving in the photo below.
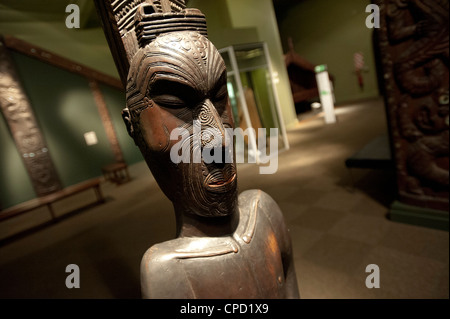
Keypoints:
(26, 133)
(94, 77)
(106, 120)
(414, 45)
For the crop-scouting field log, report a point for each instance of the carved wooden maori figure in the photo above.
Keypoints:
(414, 43)
(30, 142)
(227, 246)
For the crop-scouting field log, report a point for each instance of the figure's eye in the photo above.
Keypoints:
(168, 100)
(221, 93)
(172, 94)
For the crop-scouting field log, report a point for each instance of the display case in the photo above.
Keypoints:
(254, 101)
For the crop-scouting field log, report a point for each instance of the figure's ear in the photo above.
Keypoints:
(126, 116)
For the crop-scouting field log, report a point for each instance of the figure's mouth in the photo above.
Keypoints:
(221, 180)
(222, 183)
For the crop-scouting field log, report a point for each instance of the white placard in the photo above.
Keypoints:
(326, 93)
(91, 138)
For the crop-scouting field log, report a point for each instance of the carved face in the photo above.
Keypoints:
(178, 80)
(432, 112)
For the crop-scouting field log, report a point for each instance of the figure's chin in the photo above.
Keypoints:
(206, 190)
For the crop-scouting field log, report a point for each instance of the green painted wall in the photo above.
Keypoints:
(85, 46)
(115, 101)
(65, 109)
(221, 31)
(330, 32)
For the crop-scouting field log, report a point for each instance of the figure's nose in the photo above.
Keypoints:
(212, 129)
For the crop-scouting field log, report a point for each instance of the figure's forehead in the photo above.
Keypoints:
(187, 55)
(182, 39)
(186, 46)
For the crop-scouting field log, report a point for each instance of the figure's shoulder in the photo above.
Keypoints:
(253, 194)
(257, 199)
(157, 253)
(258, 210)
(257, 194)
(155, 260)
(157, 268)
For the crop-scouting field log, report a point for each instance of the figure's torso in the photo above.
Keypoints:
(246, 265)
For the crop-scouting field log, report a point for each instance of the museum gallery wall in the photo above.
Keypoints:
(65, 108)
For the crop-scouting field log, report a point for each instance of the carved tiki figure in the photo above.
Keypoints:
(226, 246)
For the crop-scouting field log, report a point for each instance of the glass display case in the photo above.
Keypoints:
(254, 101)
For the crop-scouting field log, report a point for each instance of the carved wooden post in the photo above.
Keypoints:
(106, 120)
(414, 46)
(227, 247)
(24, 128)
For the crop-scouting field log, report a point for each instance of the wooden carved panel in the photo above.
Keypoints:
(106, 120)
(24, 128)
(414, 45)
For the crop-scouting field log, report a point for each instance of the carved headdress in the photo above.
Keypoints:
(130, 25)
(150, 23)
